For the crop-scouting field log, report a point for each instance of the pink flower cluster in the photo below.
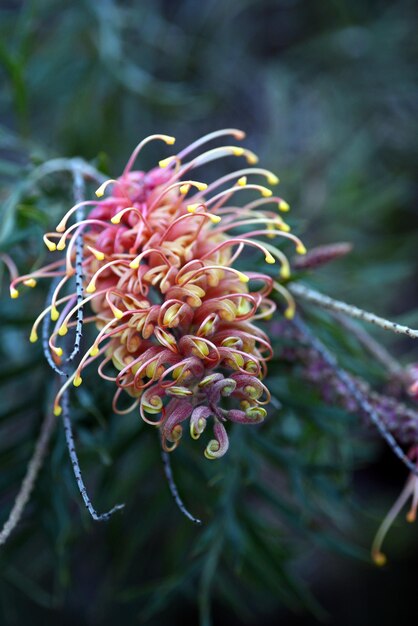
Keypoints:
(175, 317)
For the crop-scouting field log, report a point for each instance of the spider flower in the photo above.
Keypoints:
(410, 490)
(176, 320)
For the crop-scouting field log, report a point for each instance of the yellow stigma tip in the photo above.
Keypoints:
(50, 245)
(77, 381)
(14, 293)
(192, 207)
(91, 288)
(283, 206)
(30, 282)
(100, 191)
(169, 140)
(58, 351)
(134, 265)
(242, 181)
(243, 278)
(289, 313)
(300, 249)
(252, 158)
(284, 227)
(238, 151)
(33, 337)
(96, 253)
(57, 410)
(94, 351)
(165, 162)
(118, 313)
(201, 186)
(61, 245)
(380, 559)
(272, 179)
(184, 189)
(270, 259)
(266, 192)
(63, 330)
(215, 219)
(116, 219)
(285, 272)
(54, 314)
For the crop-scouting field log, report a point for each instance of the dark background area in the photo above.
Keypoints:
(328, 95)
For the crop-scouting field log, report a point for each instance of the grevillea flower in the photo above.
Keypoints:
(155, 259)
(412, 373)
(409, 491)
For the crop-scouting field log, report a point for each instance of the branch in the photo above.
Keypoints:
(76, 466)
(353, 388)
(78, 192)
(325, 302)
(173, 488)
(28, 482)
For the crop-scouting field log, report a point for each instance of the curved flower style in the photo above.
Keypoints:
(175, 317)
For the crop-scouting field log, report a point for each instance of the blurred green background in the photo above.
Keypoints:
(328, 95)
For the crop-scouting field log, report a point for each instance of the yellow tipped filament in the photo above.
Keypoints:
(265, 191)
(49, 244)
(63, 330)
(14, 293)
(379, 559)
(166, 162)
(30, 282)
(283, 226)
(57, 410)
(290, 310)
(96, 253)
(215, 219)
(242, 181)
(193, 207)
(61, 244)
(283, 206)
(285, 272)
(54, 313)
(300, 248)
(77, 380)
(100, 191)
(272, 179)
(252, 158)
(269, 258)
(33, 338)
(117, 313)
(199, 186)
(184, 189)
(169, 140)
(289, 313)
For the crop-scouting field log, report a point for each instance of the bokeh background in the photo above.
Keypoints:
(328, 95)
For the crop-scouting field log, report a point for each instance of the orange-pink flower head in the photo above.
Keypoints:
(174, 315)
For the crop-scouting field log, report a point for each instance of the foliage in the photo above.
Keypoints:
(328, 98)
